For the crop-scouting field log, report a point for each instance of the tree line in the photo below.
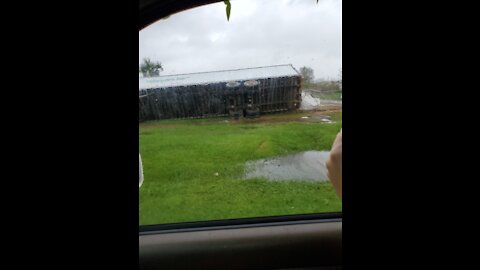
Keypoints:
(309, 82)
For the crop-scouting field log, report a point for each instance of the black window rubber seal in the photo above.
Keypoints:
(240, 223)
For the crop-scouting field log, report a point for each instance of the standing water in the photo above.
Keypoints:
(309, 165)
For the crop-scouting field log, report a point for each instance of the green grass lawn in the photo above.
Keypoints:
(328, 96)
(182, 157)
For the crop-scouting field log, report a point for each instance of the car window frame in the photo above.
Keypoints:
(151, 11)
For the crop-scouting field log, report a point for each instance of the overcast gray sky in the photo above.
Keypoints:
(259, 33)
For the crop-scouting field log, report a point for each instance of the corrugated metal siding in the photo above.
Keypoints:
(217, 76)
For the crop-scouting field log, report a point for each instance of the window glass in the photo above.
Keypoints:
(237, 117)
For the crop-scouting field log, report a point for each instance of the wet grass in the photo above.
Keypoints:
(328, 96)
(193, 169)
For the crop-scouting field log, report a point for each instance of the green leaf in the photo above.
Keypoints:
(227, 2)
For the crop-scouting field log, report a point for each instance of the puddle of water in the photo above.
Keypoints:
(325, 119)
(309, 166)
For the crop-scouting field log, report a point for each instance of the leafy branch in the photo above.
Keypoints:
(229, 7)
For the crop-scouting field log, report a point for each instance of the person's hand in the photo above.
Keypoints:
(334, 164)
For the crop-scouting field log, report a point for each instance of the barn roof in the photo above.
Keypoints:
(218, 76)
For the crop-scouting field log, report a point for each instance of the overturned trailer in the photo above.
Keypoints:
(242, 92)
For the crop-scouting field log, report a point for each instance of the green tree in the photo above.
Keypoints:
(150, 69)
(307, 75)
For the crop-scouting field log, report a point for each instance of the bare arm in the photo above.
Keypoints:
(334, 164)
